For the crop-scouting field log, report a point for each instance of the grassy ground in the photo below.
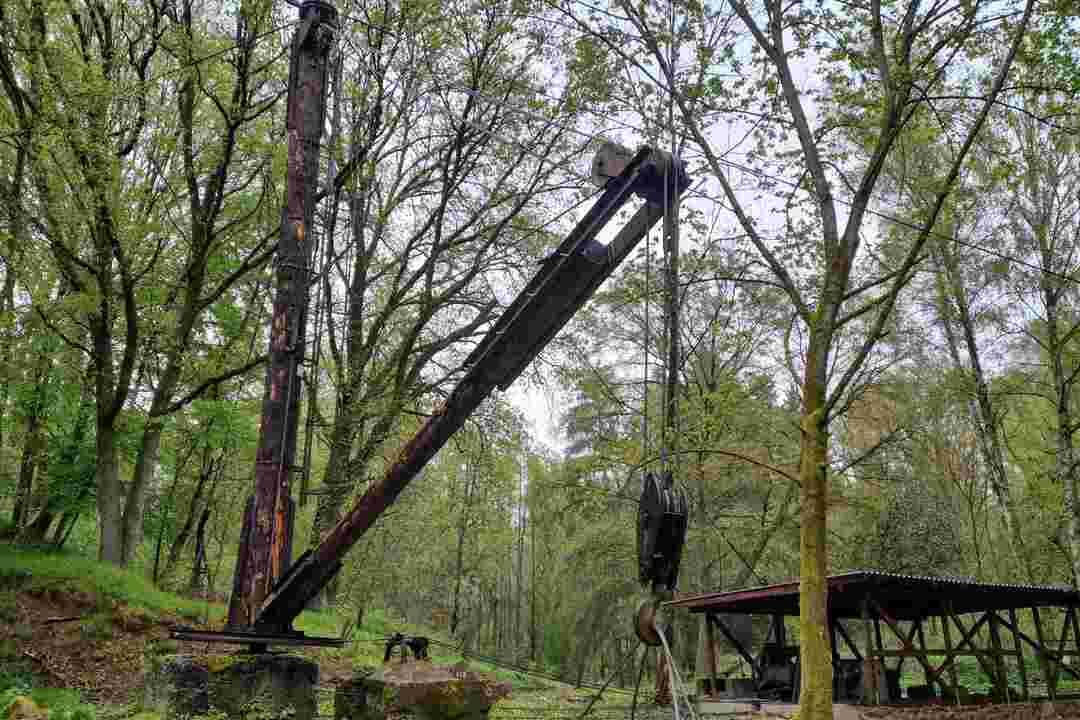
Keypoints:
(29, 568)
(74, 634)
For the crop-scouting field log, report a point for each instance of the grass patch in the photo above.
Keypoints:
(61, 703)
(8, 608)
(97, 627)
(29, 567)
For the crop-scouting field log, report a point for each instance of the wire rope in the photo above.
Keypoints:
(671, 231)
(676, 679)
(637, 687)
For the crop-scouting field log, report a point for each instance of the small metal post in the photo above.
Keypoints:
(951, 660)
(1049, 675)
(927, 676)
(999, 660)
(871, 691)
(710, 655)
(1019, 652)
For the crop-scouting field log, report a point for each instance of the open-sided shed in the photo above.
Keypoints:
(878, 620)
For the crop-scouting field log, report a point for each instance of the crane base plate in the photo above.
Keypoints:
(253, 637)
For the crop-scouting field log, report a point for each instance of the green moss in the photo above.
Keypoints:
(162, 647)
(98, 627)
(221, 663)
(9, 611)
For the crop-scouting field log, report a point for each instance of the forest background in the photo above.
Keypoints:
(877, 350)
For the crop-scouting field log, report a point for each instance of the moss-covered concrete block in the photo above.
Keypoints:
(261, 686)
(418, 690)
(264, 685)
(175, 686)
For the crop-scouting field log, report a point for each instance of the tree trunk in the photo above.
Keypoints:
(13, 195)
(37, 530)
(210, 465)
(815, 699)
(1065, 456)
(145, 464)
(64, 528)
(31, 448)
(459, 558)
(982, 409)
(27, 468)
(109, 497)
(337, 485)
(199, 565)
(532, 592)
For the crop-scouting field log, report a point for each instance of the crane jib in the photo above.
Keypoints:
(566, 280)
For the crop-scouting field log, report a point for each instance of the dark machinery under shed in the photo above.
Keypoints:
(878, 621)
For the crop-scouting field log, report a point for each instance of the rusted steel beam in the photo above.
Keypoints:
(266, 543)
(567, 279)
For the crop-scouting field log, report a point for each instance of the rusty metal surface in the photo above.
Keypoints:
(567, 279)
(266, 553)
(241, 637)
(645, 624)
(902, 596)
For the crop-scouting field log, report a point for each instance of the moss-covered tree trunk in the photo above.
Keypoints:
(816, 653)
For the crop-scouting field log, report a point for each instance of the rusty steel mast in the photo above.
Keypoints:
(266, 538)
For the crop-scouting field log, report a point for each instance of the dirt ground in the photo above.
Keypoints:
(76, 640)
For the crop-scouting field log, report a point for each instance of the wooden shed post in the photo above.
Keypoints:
(871, 694)
(928, 676)
(1049, 668)
(710, 655)
(951, 659)
(999, 656)
(1019, 653)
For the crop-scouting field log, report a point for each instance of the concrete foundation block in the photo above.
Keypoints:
(175, 687)
(418, 690)
(267, 685)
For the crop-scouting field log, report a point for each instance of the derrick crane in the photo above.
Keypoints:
(566, 280)
(564, 283)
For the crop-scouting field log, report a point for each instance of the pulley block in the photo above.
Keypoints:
(663, 513)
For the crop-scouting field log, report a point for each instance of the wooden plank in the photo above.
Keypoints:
(1019, 653)
(1049, 671)
(710, 654)
(907, 643)
(971, 637)
(974, 652)
(871, 693)
(877, 634)
(999, 663)
(849, 642)
(735, 641)
(928, 675)
(950, 660)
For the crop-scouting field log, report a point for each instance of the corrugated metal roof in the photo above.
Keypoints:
(902, 596)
